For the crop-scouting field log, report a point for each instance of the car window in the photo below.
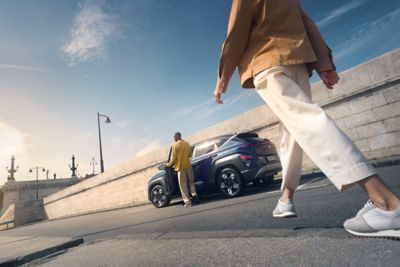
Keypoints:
(232, 143)
(220, 141)
(204, 148)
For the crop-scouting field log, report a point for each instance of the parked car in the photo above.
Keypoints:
(226, 163)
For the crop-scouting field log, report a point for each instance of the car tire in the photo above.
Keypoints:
(159, 197)
(265, 181)
(230, 182)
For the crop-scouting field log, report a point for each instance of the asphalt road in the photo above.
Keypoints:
(315, 238)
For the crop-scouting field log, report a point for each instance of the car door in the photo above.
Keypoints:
(202, 160)
(171, 178)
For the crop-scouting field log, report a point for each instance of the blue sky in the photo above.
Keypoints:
(148, 64)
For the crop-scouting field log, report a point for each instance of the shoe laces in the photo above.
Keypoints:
(366, 207)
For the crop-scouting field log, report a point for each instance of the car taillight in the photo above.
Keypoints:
(246, 160)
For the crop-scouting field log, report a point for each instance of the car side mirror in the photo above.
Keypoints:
(161, 167)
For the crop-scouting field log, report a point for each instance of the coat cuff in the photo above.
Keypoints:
(325, 62)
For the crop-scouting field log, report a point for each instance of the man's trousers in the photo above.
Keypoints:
(306, 127)
(185, 179)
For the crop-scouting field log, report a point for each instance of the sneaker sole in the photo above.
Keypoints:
(387, 233)
(288, 214)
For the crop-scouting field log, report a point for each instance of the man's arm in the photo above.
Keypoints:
(174, 158)
(235, 43)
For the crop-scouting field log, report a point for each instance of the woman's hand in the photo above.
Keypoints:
(217, 95)
(329, 78)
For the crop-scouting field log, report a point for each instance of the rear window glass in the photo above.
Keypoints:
(219, 142)
(253, 140)
(204, 148)
(247, 135)
(232, 143)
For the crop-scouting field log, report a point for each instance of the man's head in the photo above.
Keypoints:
(177, 136)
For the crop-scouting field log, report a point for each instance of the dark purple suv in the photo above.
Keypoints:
(226, 163)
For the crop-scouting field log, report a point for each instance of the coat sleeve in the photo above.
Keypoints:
(174, 158)
(321, 49)
(239, 26)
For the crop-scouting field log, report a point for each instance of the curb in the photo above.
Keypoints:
(386, 162)
(42, 253)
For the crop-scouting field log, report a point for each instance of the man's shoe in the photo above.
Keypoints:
(372, 221)
(284, 210)
(196, 199)
(188, 204)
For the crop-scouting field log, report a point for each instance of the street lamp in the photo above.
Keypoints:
(37, 178)
(93, 163)
(101, 151)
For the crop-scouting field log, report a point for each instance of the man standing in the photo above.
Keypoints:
(181, 153)
(275, 46)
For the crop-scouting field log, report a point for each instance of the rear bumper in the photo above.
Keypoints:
(257, 173)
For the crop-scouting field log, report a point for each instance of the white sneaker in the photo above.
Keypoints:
(284, 210)
(374, 222)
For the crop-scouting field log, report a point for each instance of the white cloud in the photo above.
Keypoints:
(11, 143)
(227, 103)
(201, 110)
(365, 34)
(194, 108)
(123, 124)
(116, 140)
(88, 135)
(155, 125)
(334, 14)
(93, 30)
(189, 110)
(151, 146)
(6, 66)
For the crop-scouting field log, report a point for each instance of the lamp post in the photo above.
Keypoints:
(73, 168)
(93, 163)
(101, 151)
(37, 178)
(12, 170)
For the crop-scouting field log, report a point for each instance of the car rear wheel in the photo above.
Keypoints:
(230, 182)
(159, 197)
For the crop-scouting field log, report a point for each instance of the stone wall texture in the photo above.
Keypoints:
(365, 104)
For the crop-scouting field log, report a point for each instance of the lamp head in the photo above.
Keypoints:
(43, 169)
(30, 170)
(108, 120)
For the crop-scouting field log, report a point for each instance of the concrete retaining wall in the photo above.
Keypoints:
(23, 191)
(22, 213)
(366, 105)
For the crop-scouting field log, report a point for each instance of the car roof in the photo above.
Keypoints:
(227, 136)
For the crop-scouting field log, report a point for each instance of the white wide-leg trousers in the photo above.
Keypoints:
(306, 127)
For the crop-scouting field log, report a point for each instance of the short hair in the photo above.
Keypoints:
(178, 134)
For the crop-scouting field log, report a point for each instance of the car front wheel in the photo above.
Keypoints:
(230, 182)
(159, 197)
